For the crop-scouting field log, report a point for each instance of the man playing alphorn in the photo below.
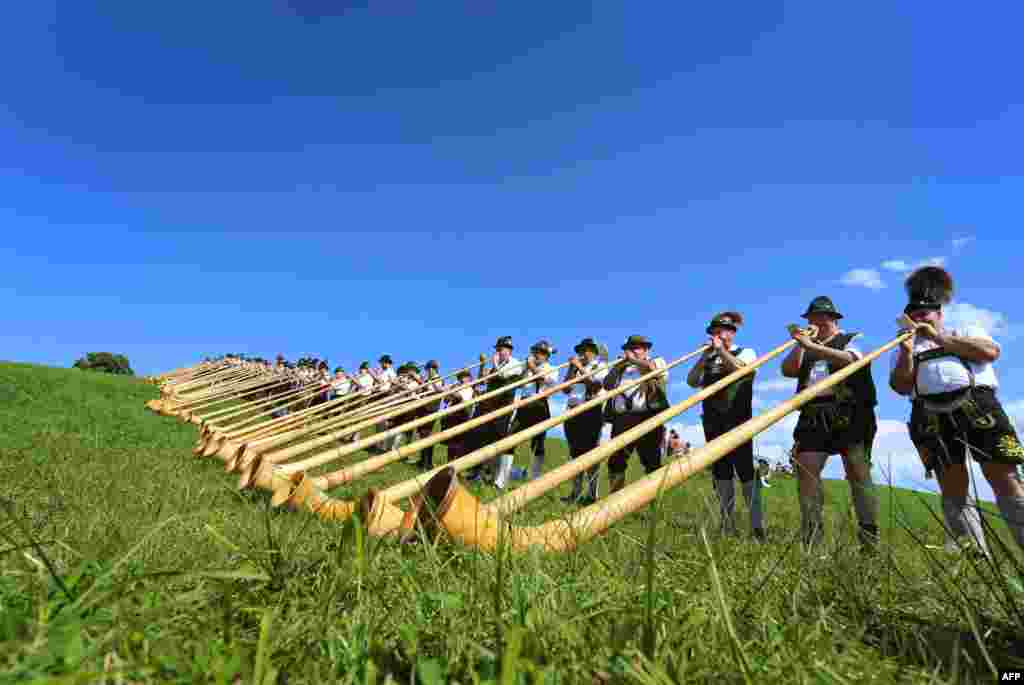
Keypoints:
(459, 445)
(948, 375)
(583, 432)
(536, 412)
(634, 406)
(505, 370)
(842, 421)
(433, 384)
(725, 410)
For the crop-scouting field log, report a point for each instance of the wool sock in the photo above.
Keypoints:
(752, 494)
(727, 503)
(593, 473)
(962, 518)
(1013, 510)
(864, 501)
(811, 522)
(504, 471)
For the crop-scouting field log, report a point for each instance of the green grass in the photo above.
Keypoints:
(124, 557)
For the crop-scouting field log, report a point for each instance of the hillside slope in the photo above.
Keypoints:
(164, 571)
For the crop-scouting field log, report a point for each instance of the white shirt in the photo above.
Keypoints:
(947, 374)
(546, 381)
(511, 369)
(386, 377)
(578, 391)
(636, 393)
(819, 370)
(364, 380)
(465, 394)
(434, 384)
(747, 356)
(341, 385)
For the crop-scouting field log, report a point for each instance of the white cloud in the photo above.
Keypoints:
(903, 266)
(960, 314)
(896, 265)
(1015, 410)
(864, 278)
(777, 385)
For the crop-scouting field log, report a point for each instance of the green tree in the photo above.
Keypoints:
(106, 362)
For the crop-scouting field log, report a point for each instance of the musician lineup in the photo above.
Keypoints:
(947, 374)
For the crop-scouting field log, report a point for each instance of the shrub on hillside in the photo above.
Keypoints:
(105, 362)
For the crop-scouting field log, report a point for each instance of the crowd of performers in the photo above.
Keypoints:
(947, 374)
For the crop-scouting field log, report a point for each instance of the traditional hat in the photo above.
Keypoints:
(584, 344)
(822, 305)
(636, 341)
(504, 341)
(364, 365)
(338, 368)
(731, 320)
(929, 287)
(543, 346)
(385, 358)
(465, 373)
(432, 364)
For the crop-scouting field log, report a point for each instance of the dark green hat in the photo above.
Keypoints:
(726, 320)
(637, 341)
(364, 365)
(822, 305)
(504, 341)
(585, 344)
(385, 358)
(465, 373)
(432, 364)
(412, 366)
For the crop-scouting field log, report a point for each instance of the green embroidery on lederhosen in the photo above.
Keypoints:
(979, 420)
(932, 425)
(1010, 447)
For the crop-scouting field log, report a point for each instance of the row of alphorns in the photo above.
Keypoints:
(239, 408)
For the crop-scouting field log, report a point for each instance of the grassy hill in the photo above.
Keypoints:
(122, 556)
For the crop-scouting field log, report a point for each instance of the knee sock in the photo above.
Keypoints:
(752, 495)
(536, 466)
(810, 517)
(504, 471)
(592, 476)
(962, 518)
(727, 501)
(864, 501)
(1012, 509)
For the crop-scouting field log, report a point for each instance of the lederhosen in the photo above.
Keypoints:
(583, 432)
(427, 453)
(649, 446)
(943, 426)
(530, 415)
(833, 424)
(723, 411)
(497, 428)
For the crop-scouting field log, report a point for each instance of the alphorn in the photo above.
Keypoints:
(308, 493)
(448, 504)
(197, 413)
(281, 479)
(383, 517)
(263, 470)
(241, 456)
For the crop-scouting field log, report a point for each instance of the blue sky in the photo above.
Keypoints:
(420, 178)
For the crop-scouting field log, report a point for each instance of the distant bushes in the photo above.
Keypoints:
(105, 362)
